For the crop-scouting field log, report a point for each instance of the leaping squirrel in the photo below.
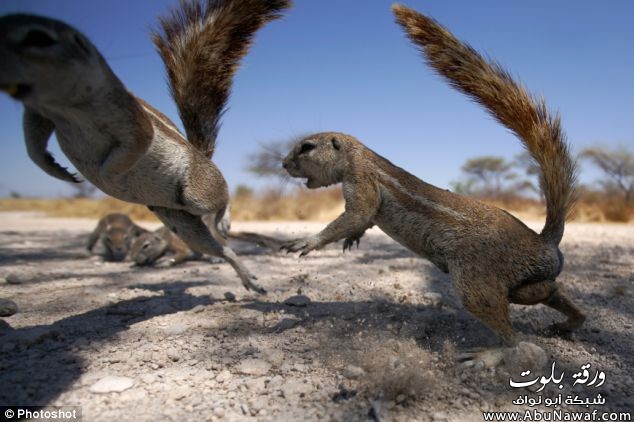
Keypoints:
(492, 257)
(118, 142)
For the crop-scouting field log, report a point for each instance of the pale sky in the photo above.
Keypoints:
(344, 65)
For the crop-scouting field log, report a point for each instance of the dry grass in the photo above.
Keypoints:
(310, 205)
(397, 367)
(78, 207)
(319, 205)
(591, 208)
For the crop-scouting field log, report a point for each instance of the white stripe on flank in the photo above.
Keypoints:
(424, 201)
(167, 124)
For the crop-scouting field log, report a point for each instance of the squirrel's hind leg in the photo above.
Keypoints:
(193, 231)
(549, 293)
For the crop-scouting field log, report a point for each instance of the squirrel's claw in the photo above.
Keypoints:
(350, 241)
(299, 245)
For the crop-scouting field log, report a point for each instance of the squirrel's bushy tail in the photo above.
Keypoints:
(201, 43)
(490, 85)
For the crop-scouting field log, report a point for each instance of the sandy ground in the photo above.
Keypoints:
(374, 335)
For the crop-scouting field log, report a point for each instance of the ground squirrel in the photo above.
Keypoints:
(116, 232)
(149, 247)
(117, 141)
(492, 257)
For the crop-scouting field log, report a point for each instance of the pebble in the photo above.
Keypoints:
(173, 355)
(439, 416)
(353, 372)
(175, 329)
(14, 278)
(179, 393)
(254, 367)
(295, 389)
(434, 298)
(260, 403)
(111, 384)
(274, 356)
(223, 376)
(198, 309)
(7, 307)
(256, 385)
(245, 408)
(147, 378)
(219, 412)
(230, 296)
(525, 356)
(297, 300)
(285, 324)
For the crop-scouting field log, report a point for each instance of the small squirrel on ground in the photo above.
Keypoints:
(119, 142)
(117, 232)
(492, 257)
(149, 247)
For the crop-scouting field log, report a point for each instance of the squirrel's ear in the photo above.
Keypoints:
(335, 143)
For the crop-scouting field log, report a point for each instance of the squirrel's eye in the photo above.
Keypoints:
(146, 245)
(37, 38)
(306, 147)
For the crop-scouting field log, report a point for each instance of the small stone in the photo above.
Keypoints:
(7, 307)
(245, 408)
(14, 278)
(254, 367)
(274, 357)
(297, 300)
(175, 329)
(198, 309)
(295, 389)
(353, 372)
(285, 324)
(256, 385)
(434, 298)
(148, 378)
(439, 416)
(525, 356)
(230, 296)
(111, 384)
(173, 355)
(178, 393)
(219, 412)
(400, 398)
(260, 403)
(223, 376)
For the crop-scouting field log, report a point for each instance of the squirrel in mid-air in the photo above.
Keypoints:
(118, 142)
(493, 258)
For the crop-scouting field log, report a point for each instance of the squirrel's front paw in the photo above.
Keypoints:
(350, 241)
(304, 245)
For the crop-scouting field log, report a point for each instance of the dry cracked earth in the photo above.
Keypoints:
(374, 334)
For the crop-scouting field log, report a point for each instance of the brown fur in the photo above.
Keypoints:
(489, 84)
(116, 232)
(492, 257)
(219, 48)
(118, 142)
(149, 247)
